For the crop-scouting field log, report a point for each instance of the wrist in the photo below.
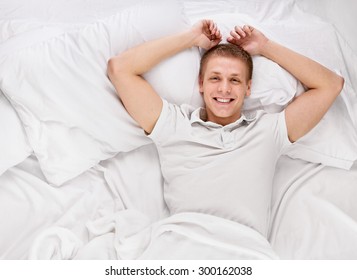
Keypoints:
(195, 37)
(266, 48)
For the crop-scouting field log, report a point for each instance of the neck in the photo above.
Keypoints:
(222, 120)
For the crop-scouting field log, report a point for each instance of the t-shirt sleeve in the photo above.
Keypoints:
(167, 123)
(281, 133)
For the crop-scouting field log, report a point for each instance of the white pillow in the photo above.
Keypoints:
(259, 9)
(69, 108)
(14, 147)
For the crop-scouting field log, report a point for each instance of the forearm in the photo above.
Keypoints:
(144, 57)
(310, 73)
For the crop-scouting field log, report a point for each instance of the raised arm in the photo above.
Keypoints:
(323, 85)
(125, 69)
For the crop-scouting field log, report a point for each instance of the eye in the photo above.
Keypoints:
(235, 81)
(214, 78)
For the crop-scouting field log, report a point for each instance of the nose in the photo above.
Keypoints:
(224, 87)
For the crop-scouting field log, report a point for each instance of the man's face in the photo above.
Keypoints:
(224, 86)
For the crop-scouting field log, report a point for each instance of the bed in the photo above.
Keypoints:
(80, 180)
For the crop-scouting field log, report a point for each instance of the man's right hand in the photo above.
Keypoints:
(208, 35)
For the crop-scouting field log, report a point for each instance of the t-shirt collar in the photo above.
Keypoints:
(199, 115)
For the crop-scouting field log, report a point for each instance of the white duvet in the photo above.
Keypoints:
(92, 188)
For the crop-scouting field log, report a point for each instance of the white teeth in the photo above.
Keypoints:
(223, 100)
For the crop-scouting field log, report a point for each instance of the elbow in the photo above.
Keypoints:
(334, 86)
(117, 66)
(339, 84)
(113, 67)
(115, 73)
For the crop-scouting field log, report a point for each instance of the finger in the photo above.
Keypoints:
(231, 40)
(217, 41)
(215, 29)
(212, 33)
(218, 34)
(247, 30)
(208, 24)
(240, 31)
(235, 35)
(212, 27)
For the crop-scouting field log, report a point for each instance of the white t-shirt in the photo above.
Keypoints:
(226, 171)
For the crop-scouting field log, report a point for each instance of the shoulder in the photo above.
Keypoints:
(274, 124)
(268, 123)
(263, 116)
(258, 117)
(176, 112)
(172, 119)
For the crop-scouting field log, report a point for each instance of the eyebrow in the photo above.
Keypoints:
(218, 73)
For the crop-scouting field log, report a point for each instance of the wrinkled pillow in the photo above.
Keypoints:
(14, 147)
(259, 9)
(60, 89)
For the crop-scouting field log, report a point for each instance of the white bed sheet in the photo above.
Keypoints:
(30, 207)
(104, 214)
(108, 212)
(314, 214)
(99, 215)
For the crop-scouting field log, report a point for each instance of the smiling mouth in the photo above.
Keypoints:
(223, 100)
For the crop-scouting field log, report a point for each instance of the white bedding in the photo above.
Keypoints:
(109, 205)
(314, 212)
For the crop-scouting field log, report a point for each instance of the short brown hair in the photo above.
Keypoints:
(228, 50)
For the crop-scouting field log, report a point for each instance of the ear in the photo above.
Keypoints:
(200, 84)
(249, 86)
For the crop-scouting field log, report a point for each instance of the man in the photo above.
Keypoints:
(216, 160)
